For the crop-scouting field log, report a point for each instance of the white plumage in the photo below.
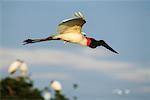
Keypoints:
(14, 67)
(70, 31)
(23, 69)
(18, 64)
(79, 14)
(47, 95)
(56, 85)
(75, 16)
(121, 91)
(117, 91)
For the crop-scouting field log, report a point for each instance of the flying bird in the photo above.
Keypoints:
(14, 66)
(70, 31)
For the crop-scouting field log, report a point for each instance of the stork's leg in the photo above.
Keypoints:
(28, 41)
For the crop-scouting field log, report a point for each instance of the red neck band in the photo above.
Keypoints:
(88, 41)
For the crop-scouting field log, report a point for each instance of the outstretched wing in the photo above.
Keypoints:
(72, 25)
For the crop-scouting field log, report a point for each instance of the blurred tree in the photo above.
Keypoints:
(21, 88)
(59, 96)
(18, 88)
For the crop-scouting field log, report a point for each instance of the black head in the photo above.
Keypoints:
(94, 43)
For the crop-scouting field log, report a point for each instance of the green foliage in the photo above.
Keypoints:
(18, 88)
(21, 88)
(59, 96)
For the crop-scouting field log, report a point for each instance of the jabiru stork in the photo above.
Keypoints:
(70, 30)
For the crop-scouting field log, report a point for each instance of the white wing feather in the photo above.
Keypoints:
(79, 15)
(76, 15)
(72, 25)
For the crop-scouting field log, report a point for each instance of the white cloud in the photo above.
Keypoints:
(50, 76)
(103, 52)
(143, 89)
(136, 74)
(77, 60)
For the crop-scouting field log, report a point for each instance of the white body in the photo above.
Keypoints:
(117, 91)
(47, 95)
(70, 30)
(72, 38)
(56, 85)
(23, 69)
(14, 66)
(18, 64)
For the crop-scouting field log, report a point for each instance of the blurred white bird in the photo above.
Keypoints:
(121, 91)
(14, 66)
(23, 68)
(56, 85)
(46, 94)
(127, 91)
(18, 64)
(117, 91)
(70, 31)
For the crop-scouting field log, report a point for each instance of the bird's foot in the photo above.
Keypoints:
(28, 41)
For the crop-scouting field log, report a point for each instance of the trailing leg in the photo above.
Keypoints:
(28, 41)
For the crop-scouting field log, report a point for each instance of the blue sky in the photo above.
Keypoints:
(124, 25)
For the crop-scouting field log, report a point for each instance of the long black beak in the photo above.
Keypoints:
(104, 44)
